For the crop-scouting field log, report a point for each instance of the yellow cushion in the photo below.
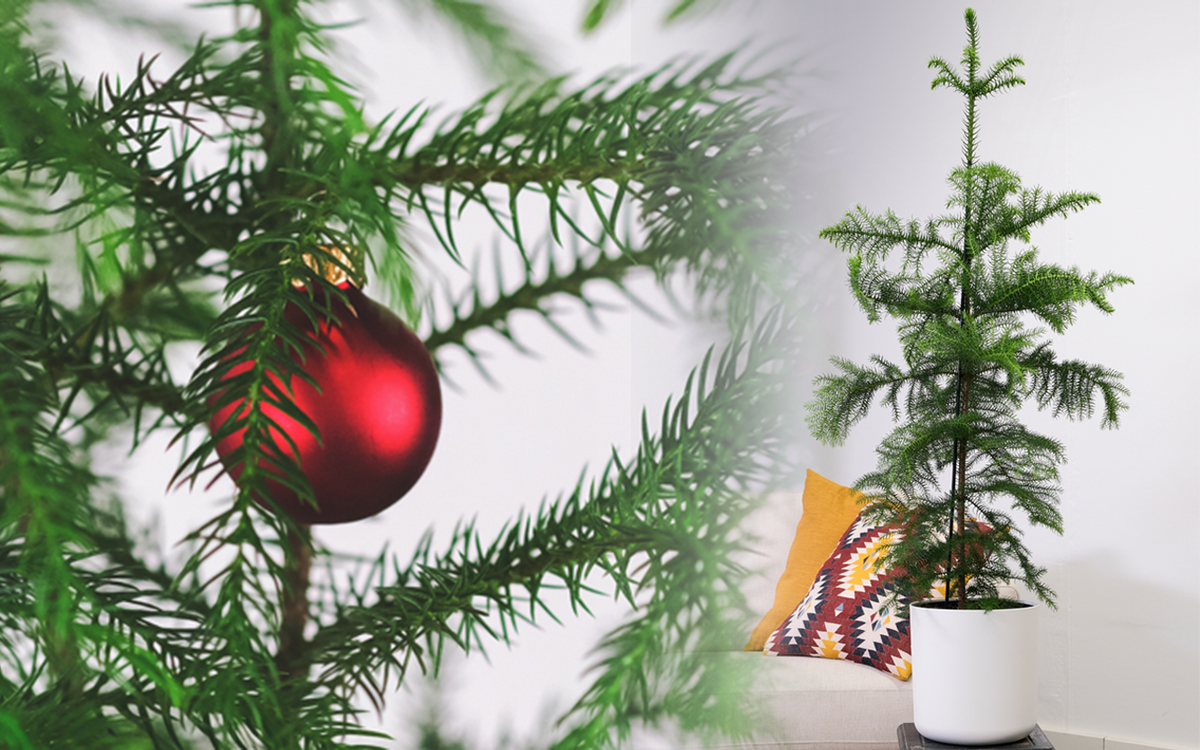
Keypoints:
(829, 509)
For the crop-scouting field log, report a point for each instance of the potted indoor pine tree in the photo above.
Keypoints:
(975, 307)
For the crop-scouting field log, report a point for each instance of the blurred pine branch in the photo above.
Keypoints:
(178, 206)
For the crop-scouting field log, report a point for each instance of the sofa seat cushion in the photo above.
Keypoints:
(810, 704)
(829, 704)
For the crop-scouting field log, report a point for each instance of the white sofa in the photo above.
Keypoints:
(825, 704)
(802, 703)
(806, 703)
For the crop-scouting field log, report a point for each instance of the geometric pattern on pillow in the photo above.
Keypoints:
(845, 614)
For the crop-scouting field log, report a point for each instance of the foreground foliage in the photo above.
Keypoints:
(179, 205)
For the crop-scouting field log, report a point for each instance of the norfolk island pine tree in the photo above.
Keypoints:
(974, 314)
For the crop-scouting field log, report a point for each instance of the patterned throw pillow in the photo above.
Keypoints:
(845, 614)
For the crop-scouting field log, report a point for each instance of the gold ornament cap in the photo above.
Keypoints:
(334, 273)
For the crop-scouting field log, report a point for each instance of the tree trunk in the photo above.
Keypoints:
(294, 603)
(961, 509)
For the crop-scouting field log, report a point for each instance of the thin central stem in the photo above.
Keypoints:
(961, 505)
(294, 602)
(278, 37)
(962, 385)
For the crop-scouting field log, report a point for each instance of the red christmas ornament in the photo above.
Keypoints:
(379, 410)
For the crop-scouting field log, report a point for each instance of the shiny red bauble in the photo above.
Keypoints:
(378, 409)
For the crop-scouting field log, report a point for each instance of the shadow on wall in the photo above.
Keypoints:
(1124, 669)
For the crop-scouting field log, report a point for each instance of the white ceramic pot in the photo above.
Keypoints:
(974, 674)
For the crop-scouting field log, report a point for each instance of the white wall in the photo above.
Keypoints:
(1111, 107)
